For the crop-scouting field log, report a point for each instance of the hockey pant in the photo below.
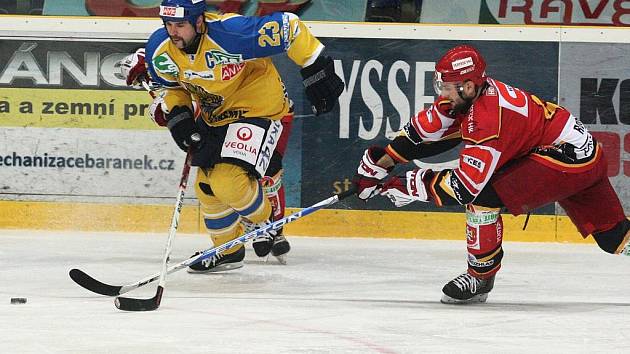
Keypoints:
(228, 193)
(587, 197)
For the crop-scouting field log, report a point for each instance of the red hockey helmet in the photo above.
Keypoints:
(459, 64)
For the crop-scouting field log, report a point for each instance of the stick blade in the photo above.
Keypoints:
(93, 285)
(131, 304)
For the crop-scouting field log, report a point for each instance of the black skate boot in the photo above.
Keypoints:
(466, 289)
(263, 243)
(220, 262)
(280, 248)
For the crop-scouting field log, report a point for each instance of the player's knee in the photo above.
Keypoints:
(488, 198)
(613, 240)
(235, 187)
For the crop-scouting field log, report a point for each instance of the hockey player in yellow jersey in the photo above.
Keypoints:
(222, 64)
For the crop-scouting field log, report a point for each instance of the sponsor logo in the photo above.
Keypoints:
(475, 263)
(470, 122)
(244, 133)
(286, 30)
(482, 218)
(228, 115)
(462, 63)
(171, 11)
(491, 91)
(269, 145)
(164, 64)
(471, 238)
(241, 147)
(474, 162)
(366, 168)
(247, 150)
(466, 71)
(451, 182)
(579, 127)
(470, 126)
(228, 71)
(499, 232)
(214, 57)
(206, 75)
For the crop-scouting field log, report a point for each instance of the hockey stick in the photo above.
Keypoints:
(131, 304)
(93, 285)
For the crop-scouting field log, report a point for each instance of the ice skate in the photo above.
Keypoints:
(219, 263)
(466, 289)
(280, 248)
(263, 243)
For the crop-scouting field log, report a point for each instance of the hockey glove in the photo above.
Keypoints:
(402, 190)
(369, 174)
(155, 110)
(133, 69)
(183, 129)
(322, 85)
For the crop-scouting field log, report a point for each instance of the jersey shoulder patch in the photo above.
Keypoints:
(483, 121)
(159, 65)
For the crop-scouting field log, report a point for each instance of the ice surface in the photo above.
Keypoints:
(335, 296)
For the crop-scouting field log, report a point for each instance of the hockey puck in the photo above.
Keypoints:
(18, 300)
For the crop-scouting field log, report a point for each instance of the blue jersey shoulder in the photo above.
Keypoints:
(155, 41)
(241, 34)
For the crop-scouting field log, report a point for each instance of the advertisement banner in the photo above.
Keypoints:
(595, 85)
(313, 10)
(123, 166)
(68, 104)
(528, 12)
(105, 109)
(386, 82)
(73, 130)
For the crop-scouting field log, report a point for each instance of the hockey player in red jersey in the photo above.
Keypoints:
(519, 153)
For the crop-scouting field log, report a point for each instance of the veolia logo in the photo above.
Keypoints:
(244, 133)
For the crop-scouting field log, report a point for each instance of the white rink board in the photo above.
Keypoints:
(152, 170)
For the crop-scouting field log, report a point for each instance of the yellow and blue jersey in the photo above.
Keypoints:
(231, 76)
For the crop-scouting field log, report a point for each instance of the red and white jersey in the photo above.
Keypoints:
(434, 123)
(504, 124)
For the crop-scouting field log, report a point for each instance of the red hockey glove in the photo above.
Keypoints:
(402, 190)
(369, 174)
(134, 70)
(155, 110)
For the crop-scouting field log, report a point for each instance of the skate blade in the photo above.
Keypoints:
(473, 300)
(219, 268)
(282, 259)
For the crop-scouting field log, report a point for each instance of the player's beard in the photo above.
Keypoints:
(180, 42)
(463, 106)
(189, 47)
